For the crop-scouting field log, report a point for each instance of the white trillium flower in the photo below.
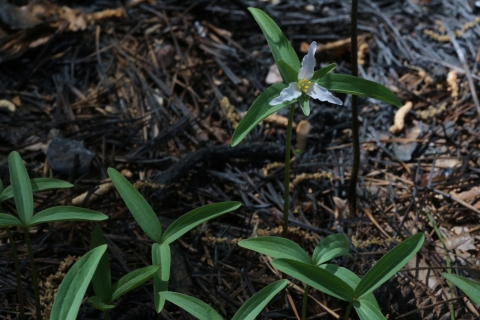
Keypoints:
(304, 85)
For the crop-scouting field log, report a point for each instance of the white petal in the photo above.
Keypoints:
(308, 63)
(322, 94)
(289, 93)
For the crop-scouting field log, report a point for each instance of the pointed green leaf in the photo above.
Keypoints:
(315, 277)
(278, 43)
(195, 307)
(276, 248)
(7, 220)
(389, 264)
(368, 311)
(161, 256)
(38, 184)
(350, 278)
(357, 86)
(102, 280)
(333, 246)
(21, 186)
(72, 289)
(65, 213)
(317, 75)
(133, 280)
(470, 288)
(253, 306)
(259, 110)
(99, 304)
(304, 102)
(195, 217)
(138, 206)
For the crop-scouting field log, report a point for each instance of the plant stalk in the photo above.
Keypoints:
(106, 315)
(286, 181)
(304, 302)
(352, 194)
(21, 305)
(447, 260)
(38, 310)
(349, 309)
(18, 275)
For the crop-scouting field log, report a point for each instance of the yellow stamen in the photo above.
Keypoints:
(303, 85)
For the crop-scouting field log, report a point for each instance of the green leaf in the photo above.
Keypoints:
(7, 220)
(213, 315)
(333, 246)
(470, 288)
(278, 43)
(291, 72)
(357, 86)
(259, 110)
(276, 248)
(389, 264)
(253, 306)
(350, 278)
(99, 304)
(102, 280)
(195, 217)
(65, 213)
(315, 277)
(38, 184)
(304, 102)
(317, 75)
(138, 206)
(72, 289)
(368, 311)
(195, 307)
(22, 188)
(132, 280)
(161, 256)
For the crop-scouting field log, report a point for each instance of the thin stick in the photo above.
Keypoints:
(286, 181)
(34, 274)
(355, 127)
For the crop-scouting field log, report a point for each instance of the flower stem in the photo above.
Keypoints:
(349, 309)
(356, 144)
(34, 274)
(304, 302)
(21, 305)
(286, 181)
(106, 315)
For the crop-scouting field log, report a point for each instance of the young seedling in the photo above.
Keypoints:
(331, 247)
(299, 83)
(105, 292)
(22, 188)
(148, 221)
(339, 283)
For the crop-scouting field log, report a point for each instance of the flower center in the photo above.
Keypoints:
(303, 85)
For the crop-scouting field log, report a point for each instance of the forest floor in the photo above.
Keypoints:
(156, 89)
